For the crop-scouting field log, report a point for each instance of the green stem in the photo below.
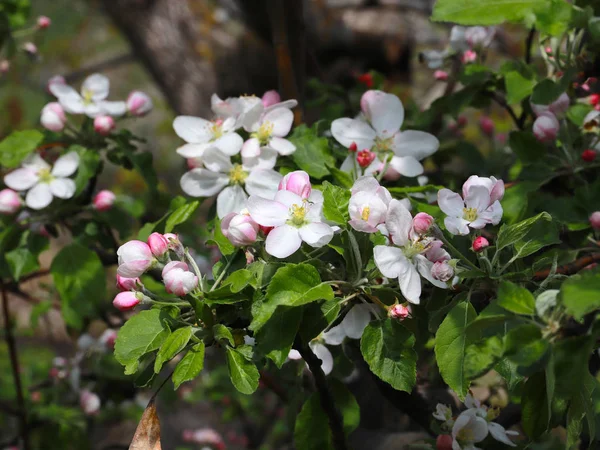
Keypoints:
(223, 272)
(454, 250)
(195, 268)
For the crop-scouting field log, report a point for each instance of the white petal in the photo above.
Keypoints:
(417, 144)
(288, 198)
(316, 234)
(263, 182)
(499, 433)
(35, 162)
(424, 267)
(282, 146)
(66, 165)
(349, 165)
(294, 354)
(347, 131)
(216, 161)
(365, 184)
(97, 85)
(324, 355)
(356, 321)
(192, 150)
(203, 182)
(230, 144)
(406, 165)
(283, 241)
(410, 284)
(398, 221)
(335, 336)
(93, 110)
(493, 214)
(266, 160)
(62, 90)
(113, 108)
(281, 119)
(457, 225)
(267, 213)
(251, 148)
(193, 129)
(72, 103)
(450, 203)
(39, 196)
(478, 198)
(384, 111)
(62, 187)
(390, 261)
(21, 179)
(231, 199)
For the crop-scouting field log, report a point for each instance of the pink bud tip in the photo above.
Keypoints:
(104, 125)
(353, 147)
(43, 22)
(442, 271)
(125, 301)
(480, 243)
(399, 312)
(30, 48)
(158, 244)
(270, 98)
(594, 99)
(469, 56)
(440, 75)
(546, 127)
(422, 222)
(588, 155)
(104, 200)
(366, 79)
(128, 284)
(10, 202)
(487, 125)
(595, 220)
(4, 66)
(365, 157)
(138, 103)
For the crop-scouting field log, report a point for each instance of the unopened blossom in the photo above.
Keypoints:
(204, 436)
(232, 182)
(443, 442)
(589, 155)
(43, 22)
(294, 220)
(91, 101)
(436, 252)
(405, 259)
(10, 202)
(240, 228)
(135, 257)
(128, 284)
(399, 312)
(270, 98)
(469, 56)
(108, 338)
(30, 48)
(159, 245)
(364, 158)
(89, 402)
(480, 243)
(487, 125)
(194, 163)
(104, 200)
(53, 117)
(104, 125)
(440, 75)
(366, 79)
(381, 134)
(178, 279)
(352, 325)
(368, 204)
(173, 240)
(422, 222)
(442, 271)
(268, 134)
(138, 103)
(558, 107)
(42, 181)
(595, 220)
(297, 182)
(127, 300)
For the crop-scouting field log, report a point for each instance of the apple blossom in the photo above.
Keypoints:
(487, 125)
(479, 36)
(405, 259)
(295, 220)
(127, 300)
(268, 134)
(588, 155)
(135, 257)
(30, 48)
(436, 253)
(443, 413)
(158, 244)
(89, 402)
(230, 181)
(246, 109)
(433, 58)
(91, 101)
(595, 220)
(368, 204)
(381, 133)
(53, 117)
(178, 279)
(442, 271)
(270, 98)
(480, 243)
(399, 312)
(546, 127)
(468, 430)
(440, 75)
(240, 229)
(104, 200)
(558, 107)
(202, 135)
(10, 202)
(323, 353)
(104, 125)
(204, 436)
(364, 158)
(422, 222)
(297, 182)
(352, 325)
(128, 284)
(42, 181)
(43, 22)
(498, 432)
(138, 103)
(492, 184)
(108, 338)
(469, 56)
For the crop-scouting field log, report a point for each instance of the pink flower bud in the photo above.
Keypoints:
(422, 222)
(178, 279)
(194, 163)
(558, 107)
(365, 158)
(487, 125)
(89, 402)
(125, 301)
(588, 155)
(104, 125)
(443, 442)
(399, 312)
(442, 271)
(440, 75)
(158, 244)
(56, 79)
(53, 117)
(240, 229)
(469, 56)
(595, 220)
(546, 127)
(270, 98)
(297, 182)
(10, 202)
(139, 103)
(135, 257)
(108, 338)
(36, 397)
(43, 22)
(4, 66)
(480, 243)
(204, 436)
(104, 200)
(30, 47)
(128, 284)
(353, 147)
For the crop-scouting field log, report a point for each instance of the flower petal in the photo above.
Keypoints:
(457, 225)
(450, 203)
(356, 321)
(281, 119)
(410, 284)
(493, 214)
(390, 261)
(263, 182)
(267, 213)
(39, 196)
(97, 86)
(324, 355)
(62, 90)
(384, 111)
(217, 161)
(113, 108)
(231, 199)
(283, 241)
(72, 103)
(417, 144)
(335, 336)
(230, 144)
(406, 165)
(203, 182)
(62, 187)
(193, 129)
(348, 131)
(288, 198)
(424, 267)
(282, 146)
(192, 150)
(316, 234)
(366, 184)
(478, 197)
(21, 179)
(266, 160)
(398, 221)
(251, 148)
(66, 165)
(499, 433)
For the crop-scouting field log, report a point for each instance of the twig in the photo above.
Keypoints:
(16, 371)
(99, 67)
(569, 269)
(528, 45)
(500, 101)
(336, 423)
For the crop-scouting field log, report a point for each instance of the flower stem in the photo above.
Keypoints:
(454, 250)
(223, 272)
(196, 269)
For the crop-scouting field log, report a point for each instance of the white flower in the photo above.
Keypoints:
(468, 429)
(405, 259)
(91, 101)
(352, 326)
(381, 133)
(230, 181)
(433, 58)
(442, 412)
(500, 434)
(295, 220)
(201, 135)
(44, 181)
(368, 204)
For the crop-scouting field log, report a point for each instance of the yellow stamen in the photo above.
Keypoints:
(264, 133)
(237, 175)
(87, 96)
(364, 215)
(45, 175)
(470, 214)
(298, 213)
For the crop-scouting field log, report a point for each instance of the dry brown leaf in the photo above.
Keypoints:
(147, 433)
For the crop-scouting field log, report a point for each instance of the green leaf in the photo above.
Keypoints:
(518, 86)
(509, 234)
(577, 113)
(81, 282)
(526, 146)
(312, 152)
(580, 294)
(335, 205)
(173, 344)
(545, 92)
(581, 407)
(190, 365)
(221, 332)
(243, 373)
(343, 179)
(534, 406)
(238, 280)
(181, 215)
(542, 234)
(141, 334)
(89, 160)
(317, 317)
(21, 261)
(451, 341)
(297, 284)
(481, 356)
(225, 246)
(554, 17)
(312, 431)
(275, 338)
(484, 12)
(387, 347)
(525, 347)
(515, 298)
(17, 146)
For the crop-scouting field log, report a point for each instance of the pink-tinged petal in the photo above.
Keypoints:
(475, 180)
(362, 226)
(193, 129)
(417, 144)
(231, 199)
(348, 131)
(60, 89)
(493, 214)
(62, 188)
(478, 197)
(316, 234)
(21, 179)
(324, 355)
(384, 111)
(283, 241)
(203, 182)
(115, 109)
(174, 265)
(192, 150)
(500, 434)
(281, 146)
(450, 203)
(126, 301)
(266, 160)
(39, 196)
(406, 165)
(251, 148)
(66, 165)
(267, 213)
(366, 184)
(217, 161)
(263, 182)
(356, 321)
(297, 182)
(281, 119)
(424, 267)
(398, 222)
(457, 225)
(497, 192)
(97, 85)
(230, 144)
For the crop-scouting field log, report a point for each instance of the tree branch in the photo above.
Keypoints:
(569, 269)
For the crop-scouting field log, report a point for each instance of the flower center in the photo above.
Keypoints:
(264, 133)
(237, 175)
(465, 435)
(414, 248)
(298, 214)
(470, 214)
(87, 97)
(383, 144)
(45, 176)
(365, 213)
(217, 129)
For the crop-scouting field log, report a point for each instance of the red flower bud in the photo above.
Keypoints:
(588, 155)
(353, 147)
(366, 79)
(480, 243)
(365, 157)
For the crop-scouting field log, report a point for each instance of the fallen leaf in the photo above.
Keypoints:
(147, 433)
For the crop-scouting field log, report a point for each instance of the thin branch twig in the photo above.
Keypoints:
(569, 269)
